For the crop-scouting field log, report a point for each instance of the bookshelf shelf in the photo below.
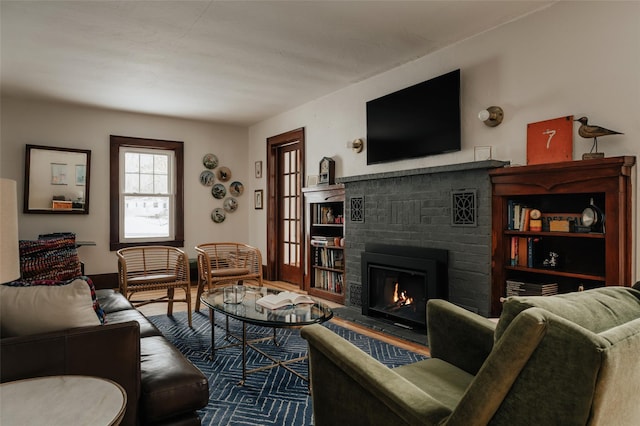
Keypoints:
(324, 229)
(557, 272)
(560, 192)
(596, 235)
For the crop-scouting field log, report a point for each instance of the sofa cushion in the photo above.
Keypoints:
(229, 272)
(49, 259)
(112, 301)
(596, 310)
(439, 379)
(40, 309)
(146, 327)
(171, 385)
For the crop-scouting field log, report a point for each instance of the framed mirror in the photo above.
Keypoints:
(56, 180)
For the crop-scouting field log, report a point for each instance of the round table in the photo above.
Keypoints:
(62, 400)
(249, 312)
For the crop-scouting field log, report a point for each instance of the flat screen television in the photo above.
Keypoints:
(414, 122)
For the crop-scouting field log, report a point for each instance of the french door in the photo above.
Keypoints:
(285, 245)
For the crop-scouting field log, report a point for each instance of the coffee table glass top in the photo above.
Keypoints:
(250, 311)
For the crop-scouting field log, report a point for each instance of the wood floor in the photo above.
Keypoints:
(161, 309)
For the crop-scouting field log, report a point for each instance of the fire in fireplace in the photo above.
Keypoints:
(398, 281)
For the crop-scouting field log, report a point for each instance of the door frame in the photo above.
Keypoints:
(273, 143)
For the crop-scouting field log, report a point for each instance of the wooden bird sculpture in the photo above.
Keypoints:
(588, 131)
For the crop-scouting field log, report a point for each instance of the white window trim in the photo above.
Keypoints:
(171, 194)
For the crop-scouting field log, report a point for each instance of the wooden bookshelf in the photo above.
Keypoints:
(324, 229)
(597, 258)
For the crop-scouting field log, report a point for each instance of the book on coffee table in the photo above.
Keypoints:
(284, 298)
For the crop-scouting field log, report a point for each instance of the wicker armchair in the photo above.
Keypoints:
(224, 262)
(147, 268)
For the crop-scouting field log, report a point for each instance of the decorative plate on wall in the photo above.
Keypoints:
(207, 178)
(230, 204)
(236, 188)
(210, 161)
(218, 191)
(218, 215)
(224, 174)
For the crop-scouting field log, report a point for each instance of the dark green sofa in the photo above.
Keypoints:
(570, 359)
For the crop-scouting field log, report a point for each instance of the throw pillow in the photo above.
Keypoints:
(41, 309)
(96, 305)
(49, 259)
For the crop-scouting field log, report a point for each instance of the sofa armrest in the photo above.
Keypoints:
(350, 387)
(111, 351)
(458, 336)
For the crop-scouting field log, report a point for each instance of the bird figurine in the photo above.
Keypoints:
(588, 131)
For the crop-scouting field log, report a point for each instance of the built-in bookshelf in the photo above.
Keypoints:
(324, 225)
(541, 242)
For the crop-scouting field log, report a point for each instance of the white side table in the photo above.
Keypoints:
(62, 400)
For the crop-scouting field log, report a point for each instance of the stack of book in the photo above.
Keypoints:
(519, 288)
(321, 241)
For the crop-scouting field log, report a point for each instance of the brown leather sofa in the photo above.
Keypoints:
(163, 387)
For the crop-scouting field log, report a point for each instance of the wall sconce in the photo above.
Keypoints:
(491, 116)
(356, 145)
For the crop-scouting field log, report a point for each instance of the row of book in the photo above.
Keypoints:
(524, 251)
(328, 280)
(519, 288)
(518, 216)
(328, 258)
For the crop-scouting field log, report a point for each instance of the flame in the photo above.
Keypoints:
(401, 299)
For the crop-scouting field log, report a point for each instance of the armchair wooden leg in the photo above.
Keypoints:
(170, 294)
(187, 293)
(199, 293)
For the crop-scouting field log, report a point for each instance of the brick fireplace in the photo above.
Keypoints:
(444, 207)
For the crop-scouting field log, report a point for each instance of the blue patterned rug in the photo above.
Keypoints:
(269, 397)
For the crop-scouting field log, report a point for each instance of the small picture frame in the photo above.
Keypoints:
(258, 169)
(481, 153)
(257, 199)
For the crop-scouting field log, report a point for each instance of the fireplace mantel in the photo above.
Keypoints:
(449, 168)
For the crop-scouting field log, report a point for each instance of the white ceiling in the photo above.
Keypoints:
(237, 62)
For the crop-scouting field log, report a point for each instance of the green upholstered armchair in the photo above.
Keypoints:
(570, 359)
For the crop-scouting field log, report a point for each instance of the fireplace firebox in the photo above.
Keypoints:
(398, 281)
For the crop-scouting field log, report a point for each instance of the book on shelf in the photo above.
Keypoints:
(518, 216)
(282, 299)
(520, 288)
(328, 281)
(321, 241)
(524, 251)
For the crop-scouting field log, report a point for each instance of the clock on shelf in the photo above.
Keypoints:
(327, 171)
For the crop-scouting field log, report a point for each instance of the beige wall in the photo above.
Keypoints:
(41, 123)
(573, 58)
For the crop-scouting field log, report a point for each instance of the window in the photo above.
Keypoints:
(146, 194)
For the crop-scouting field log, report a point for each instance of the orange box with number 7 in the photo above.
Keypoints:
(550, 141)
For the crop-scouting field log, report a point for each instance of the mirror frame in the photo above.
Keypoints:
(28, 184)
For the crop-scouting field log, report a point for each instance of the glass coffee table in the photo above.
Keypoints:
(249, 312)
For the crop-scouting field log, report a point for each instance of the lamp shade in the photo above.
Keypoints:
(9, 251)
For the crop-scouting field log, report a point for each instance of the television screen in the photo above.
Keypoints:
(417, 121)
